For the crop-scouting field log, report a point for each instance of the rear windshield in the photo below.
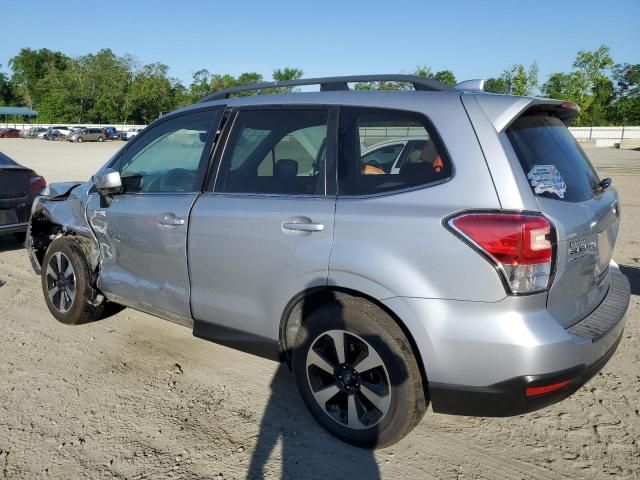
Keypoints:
(4, 160)
(555, 165)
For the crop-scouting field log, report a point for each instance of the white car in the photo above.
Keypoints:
(129, 134)
(387, 157)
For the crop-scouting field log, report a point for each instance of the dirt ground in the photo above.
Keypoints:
(137, 397)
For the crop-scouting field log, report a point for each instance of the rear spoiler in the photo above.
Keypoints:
(502, 110)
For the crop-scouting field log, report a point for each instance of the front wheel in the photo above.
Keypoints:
(357, 373)
(79, 140)
(66, 283)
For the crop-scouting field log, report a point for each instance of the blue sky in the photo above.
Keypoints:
(474, 39)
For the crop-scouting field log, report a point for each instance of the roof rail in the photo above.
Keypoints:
(475, 85)
(333, 84)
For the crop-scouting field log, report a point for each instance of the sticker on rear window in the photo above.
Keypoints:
(547, 178)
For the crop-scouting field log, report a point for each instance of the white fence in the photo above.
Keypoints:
(25, 126)
(607, 136)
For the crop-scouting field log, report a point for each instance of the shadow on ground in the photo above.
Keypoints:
(633, 274)
(307, 450)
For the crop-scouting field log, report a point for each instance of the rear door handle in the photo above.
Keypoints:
(170, 220)
(302, 224)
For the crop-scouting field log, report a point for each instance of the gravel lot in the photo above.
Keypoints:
(136, 397)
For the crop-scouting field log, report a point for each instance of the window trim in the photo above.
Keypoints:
(433, 133)
(205, 157)
(330, 170)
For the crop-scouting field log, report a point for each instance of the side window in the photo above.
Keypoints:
(383, 150)
(275, 151)
(167, 157)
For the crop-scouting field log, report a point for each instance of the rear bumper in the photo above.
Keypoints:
(508, 398)
(480, 358)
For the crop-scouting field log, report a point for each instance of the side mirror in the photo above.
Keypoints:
(108, 182)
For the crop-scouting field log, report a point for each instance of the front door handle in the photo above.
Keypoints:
(302, 224)
(170, 220)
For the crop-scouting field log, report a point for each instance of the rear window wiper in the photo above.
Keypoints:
(604, 184)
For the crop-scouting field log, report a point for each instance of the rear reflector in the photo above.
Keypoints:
(36, 182)
(533, 391)
(518, 244)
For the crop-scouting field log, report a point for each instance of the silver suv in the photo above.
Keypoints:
(476, 276)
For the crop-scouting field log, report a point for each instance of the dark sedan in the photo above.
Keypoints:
(18, 187)
(9, 133)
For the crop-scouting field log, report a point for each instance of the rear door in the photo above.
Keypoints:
(263, 234)
(568, 191)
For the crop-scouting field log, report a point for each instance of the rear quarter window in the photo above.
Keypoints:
(554, 163)
(365, 130)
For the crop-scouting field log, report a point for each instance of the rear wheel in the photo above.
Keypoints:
(66, 283)
(357, 374)
(101, 139)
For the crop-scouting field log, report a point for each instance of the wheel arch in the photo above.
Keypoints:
(47, 224)
(310, 299)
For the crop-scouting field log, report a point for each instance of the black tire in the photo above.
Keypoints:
(80, 309)
(362, 320)
(79, 140)
(101, 139)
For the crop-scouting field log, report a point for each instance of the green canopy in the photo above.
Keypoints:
(18, 111)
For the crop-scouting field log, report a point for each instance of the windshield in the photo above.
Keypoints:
(4, 160)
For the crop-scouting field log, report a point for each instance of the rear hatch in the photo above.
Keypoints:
(14, 192)
(584, 213)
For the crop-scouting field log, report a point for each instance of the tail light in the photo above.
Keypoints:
(518, 244)
(36, 182)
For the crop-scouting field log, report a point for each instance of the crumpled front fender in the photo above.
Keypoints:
(61, 211)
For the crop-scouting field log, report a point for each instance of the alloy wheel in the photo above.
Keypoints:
(348, 379)
(61, 282)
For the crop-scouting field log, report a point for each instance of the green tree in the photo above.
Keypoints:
(7, 91)
(283, 75)
(152, 93)
(201, 85)
(496, 85)
(222, 82)
(516, 81)
(287, 73)
(447, 77)
(30, 67)
(587, 85)
(625, 109)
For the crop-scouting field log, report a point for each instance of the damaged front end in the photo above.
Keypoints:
(60, 211)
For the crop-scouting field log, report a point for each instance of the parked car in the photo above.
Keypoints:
(9, 133)
(47, 132)
(18, 187)
(478, 277)
(55, 134)
(87, 135)
(129, 134)
(111, 133)
(33, 132)
(388, 156)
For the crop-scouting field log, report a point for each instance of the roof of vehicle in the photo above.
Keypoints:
(501, 109)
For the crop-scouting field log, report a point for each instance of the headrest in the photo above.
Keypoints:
(287, 168)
